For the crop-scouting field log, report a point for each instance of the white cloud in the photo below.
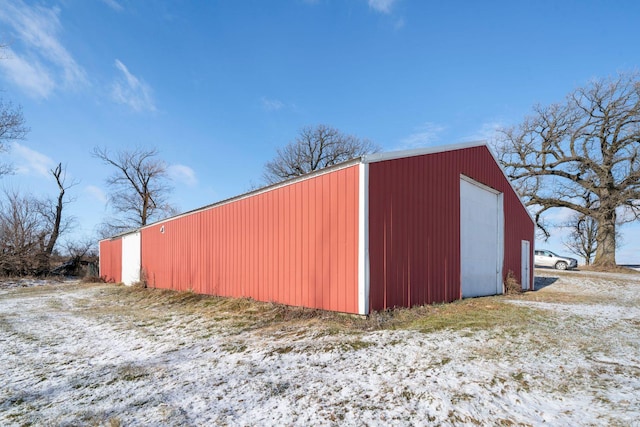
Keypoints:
(113, 4)
(45, 60)
(559, 216)
(425, 135)
(32, 77)
(131, 91)
(96, 193)
(29, 161)
(382, 6)
(183, 174)
(487, 132)
(271, 104)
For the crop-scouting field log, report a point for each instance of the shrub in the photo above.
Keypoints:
(93, 279)
(511, 284)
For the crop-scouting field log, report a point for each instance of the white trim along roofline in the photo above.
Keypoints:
(392, 155)
(369, 158)
(122, 234)
(266, 189)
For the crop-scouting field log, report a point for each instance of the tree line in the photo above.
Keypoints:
(582, 154)
(29, 226)
(139, 192)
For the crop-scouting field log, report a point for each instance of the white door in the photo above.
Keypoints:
(481, 239)
(525, 265)
(131, 258)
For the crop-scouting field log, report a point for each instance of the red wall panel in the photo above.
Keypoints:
(111, 260)
(295, 244)
(414, 225)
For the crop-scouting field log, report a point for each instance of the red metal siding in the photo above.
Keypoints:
(295, 244)
(111, 260)
(414, 225)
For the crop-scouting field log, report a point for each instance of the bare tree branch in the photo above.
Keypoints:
(58, 224)
(30, 228)
(582, 154)
(315, 148)
(582, 238)
(139, 187)
(12, 128)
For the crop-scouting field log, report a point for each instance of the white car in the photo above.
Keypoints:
(545, 258)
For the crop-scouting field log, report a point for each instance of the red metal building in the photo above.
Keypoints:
(111, 259)
(385, 230)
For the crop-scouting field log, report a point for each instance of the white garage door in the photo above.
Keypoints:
(131, 258)
(481, 239)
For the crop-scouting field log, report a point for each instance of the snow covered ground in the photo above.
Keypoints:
(73, 354)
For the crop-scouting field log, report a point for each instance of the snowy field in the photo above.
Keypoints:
(96, 354)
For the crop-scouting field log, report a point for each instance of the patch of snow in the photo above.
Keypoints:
(68, 359)
(31, 282)
(602, 313)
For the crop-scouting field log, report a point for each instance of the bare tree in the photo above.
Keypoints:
(12, 128)
(316, 147)
(110, 227)
(21, 233)
(52, 213)
(139, 187)
(30, 228)
(581, 240)
(587, 145)
(82, 247)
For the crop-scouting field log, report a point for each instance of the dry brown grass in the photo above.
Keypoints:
(559, 297)
(475, 314)
(92, 279)
(511, 284)
(239, 312)
(248, 314)
(616, 269)
(150, 306)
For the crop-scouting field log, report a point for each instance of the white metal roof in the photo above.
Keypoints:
(391, 155)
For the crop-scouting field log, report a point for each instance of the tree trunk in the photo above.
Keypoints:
(55, 232)
(606, 249)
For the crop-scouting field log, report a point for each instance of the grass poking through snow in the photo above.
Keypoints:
(100, 354)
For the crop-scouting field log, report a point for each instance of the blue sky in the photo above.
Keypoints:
(217, 86)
